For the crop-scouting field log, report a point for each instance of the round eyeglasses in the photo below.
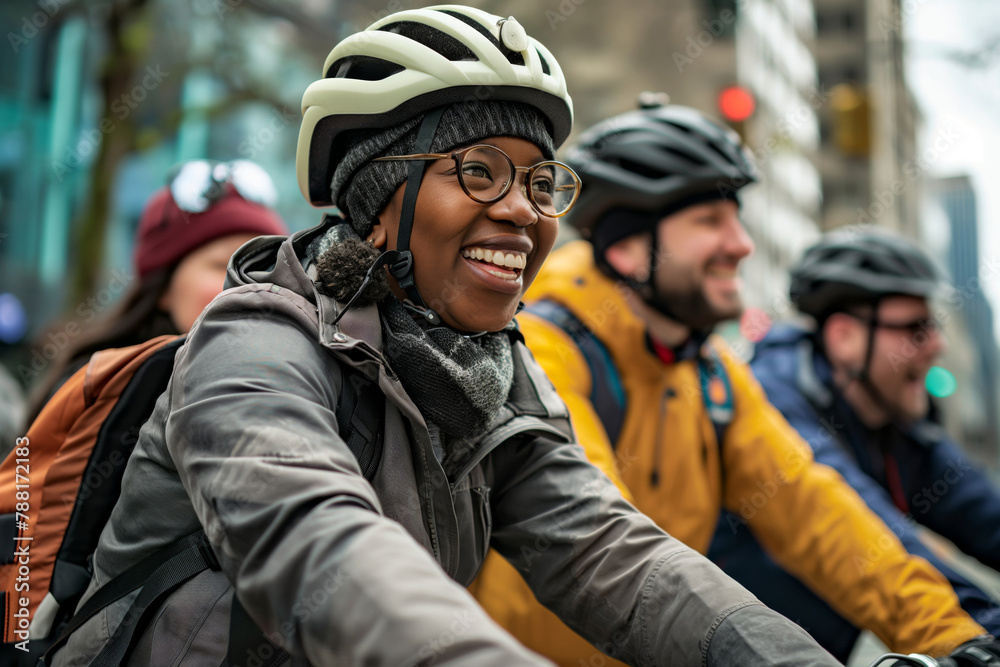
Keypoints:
(198, 184)
(486, 174)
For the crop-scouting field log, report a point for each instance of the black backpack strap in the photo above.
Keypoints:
(185, 558)
(606, 393)
(164, 580)
(359, 419)
(246, 642)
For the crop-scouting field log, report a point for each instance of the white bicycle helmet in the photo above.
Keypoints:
(385, 75)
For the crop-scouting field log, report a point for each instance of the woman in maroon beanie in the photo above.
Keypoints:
(187, 233)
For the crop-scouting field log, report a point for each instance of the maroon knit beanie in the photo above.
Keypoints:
(167, 234)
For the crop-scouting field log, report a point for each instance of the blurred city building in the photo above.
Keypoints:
(868, 158)
(746, 63)
(974, 336)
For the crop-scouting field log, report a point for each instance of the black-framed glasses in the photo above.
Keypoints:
(198, 184)
(486, 173)
(926, 325)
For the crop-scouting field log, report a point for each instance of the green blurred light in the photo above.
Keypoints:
(940, 382)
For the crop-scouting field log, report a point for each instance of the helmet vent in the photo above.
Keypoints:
(364, 68)
(639, 168)
(867, 265)
(676, 152)
(684, 129)
(433, 39)
(726, 159)
(545, 63)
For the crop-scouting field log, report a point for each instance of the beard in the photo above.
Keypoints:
(683, 299)
(691, 308)
(898, 402)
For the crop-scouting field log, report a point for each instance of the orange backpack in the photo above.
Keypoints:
(60, 483)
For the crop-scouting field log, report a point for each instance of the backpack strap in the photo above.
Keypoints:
(717, 392)
(246, 641)
(360, 416)
(174, 565)
(607, 394)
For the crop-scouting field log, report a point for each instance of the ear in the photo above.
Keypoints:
(377, 236)
(387, 220)
(630, 256)
(166, 300)
(844, 338)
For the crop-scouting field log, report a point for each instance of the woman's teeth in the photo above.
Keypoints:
(510, 260)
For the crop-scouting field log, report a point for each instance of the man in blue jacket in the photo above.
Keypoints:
(854, 389)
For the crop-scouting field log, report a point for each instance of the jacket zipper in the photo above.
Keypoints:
(514, 427)
(654, 476)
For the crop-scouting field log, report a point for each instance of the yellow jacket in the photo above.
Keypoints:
(667, 462)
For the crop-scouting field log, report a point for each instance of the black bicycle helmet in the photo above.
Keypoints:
(655, 160)
(847, 267)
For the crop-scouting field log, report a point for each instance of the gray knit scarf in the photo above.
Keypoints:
(459, 383)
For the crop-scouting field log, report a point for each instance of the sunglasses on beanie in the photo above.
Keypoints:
(198, 184)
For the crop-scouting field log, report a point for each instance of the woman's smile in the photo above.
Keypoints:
(499, 261)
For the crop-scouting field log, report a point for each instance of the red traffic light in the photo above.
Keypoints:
(736, 103)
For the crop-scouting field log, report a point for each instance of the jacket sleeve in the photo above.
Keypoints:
(822, 436)
(958, 501)
(617, 579)
(820, 530)
(296, 527)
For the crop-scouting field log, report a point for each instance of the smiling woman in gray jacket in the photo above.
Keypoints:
(358, 555)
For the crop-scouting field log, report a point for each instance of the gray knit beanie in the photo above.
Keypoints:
(362, 188)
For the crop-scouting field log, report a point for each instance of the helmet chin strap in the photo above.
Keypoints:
(648, 291)
(863, 376)
(401, 267)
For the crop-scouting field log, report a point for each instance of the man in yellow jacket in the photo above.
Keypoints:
(620, 322)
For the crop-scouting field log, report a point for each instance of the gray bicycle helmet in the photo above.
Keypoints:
(653, 161)
(846, 268)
